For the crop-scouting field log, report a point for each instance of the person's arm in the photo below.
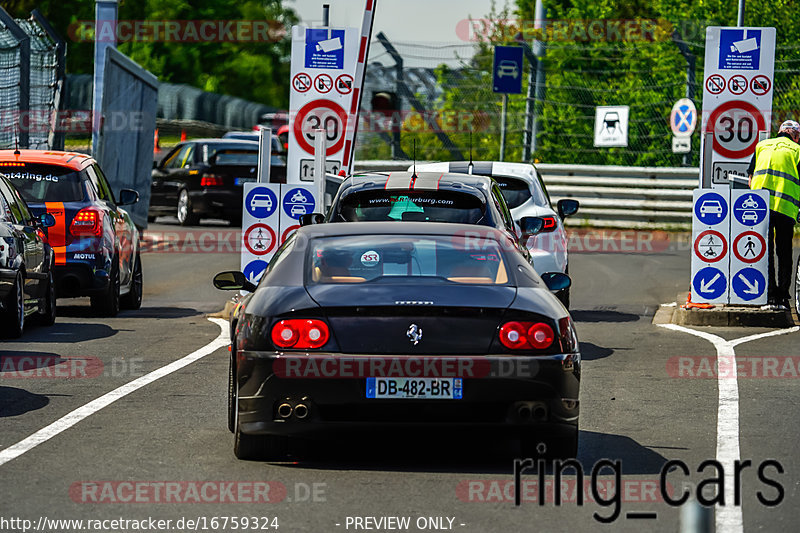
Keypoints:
(752, 168)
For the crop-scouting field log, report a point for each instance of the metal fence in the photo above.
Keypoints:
(125, 150)
(32, 61)
(454, 83)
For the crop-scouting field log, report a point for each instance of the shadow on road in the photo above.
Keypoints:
(68, 332)
(160, 312)
(591, 351)
(603, 316)
(14, 401)
(461, 453)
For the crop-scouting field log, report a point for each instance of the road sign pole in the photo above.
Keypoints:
(740, 15)
(264, 154)
(319, 165)
(503, 128)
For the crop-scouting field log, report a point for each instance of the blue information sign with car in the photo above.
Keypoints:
(507, 70)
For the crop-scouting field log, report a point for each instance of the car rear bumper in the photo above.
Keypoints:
(79, 279)
(513, 394)
(211, 201)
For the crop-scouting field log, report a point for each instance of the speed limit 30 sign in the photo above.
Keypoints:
(320, 114)
(737, 101)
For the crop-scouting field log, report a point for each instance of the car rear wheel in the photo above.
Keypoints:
(133, 300)
(14, 316)
(47, 312)
(257, 447)
(186, 216)
(107, 303)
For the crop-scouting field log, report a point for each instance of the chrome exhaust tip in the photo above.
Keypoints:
(301, 410)
(524, 412)
(285, 410)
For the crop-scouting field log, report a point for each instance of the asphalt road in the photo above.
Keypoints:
(636, 409)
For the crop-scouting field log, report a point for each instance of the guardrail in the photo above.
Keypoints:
(611, 196)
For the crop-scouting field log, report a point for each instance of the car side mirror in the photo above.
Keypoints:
(233, 280)
(556, 281)
(567, 207)
(530, 226)
(128, 197)
(312, 218)
(46, 220)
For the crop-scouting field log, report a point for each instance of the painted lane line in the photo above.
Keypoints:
(728, 517)
(85, 411)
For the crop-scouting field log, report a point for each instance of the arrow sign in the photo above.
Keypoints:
(705, 286)
(752, 288)
(748, 284)
(709, 284)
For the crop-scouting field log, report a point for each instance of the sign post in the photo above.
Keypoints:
(264, 154)
(506, 79)
(737, 102)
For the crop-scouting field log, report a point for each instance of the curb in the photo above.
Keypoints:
(226, 311)
(724, 316)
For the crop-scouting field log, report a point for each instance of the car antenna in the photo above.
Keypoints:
(16, 139)
(469, 167)
(414, 155)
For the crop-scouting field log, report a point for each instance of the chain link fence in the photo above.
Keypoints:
(455, 85)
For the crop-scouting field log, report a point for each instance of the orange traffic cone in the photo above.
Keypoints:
(156, 147)
(183, 135)
(691, 305)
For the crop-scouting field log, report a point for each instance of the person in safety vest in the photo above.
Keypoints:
(776, 167)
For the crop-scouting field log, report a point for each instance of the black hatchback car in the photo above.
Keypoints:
(378, 325)
(27, 286)
(204, 178)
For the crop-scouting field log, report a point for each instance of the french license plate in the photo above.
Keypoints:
(415, 388)
(242, 181)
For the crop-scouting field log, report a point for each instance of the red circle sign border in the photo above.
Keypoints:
(736, 250)
(727, 106)
(713, 77)
(301, 115)
(721, 238)
(296, 76)
(341, 77)
(753, 82)
(322, 76)
(744, 87)
(247, 241)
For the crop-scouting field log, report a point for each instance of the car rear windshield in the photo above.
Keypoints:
(426, 206)
(381, 259)
(236, 157)
(38, 183)
(517, 191)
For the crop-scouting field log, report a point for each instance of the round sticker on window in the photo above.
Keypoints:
(370, 258)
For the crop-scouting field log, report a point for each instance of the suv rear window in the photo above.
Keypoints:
(425, 206)
(39, 183)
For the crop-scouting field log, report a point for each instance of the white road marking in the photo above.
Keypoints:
(85, 411)
(728, 517)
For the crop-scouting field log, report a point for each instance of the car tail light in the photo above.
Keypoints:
(300, 333)
(211, 180)
(550, 224)
(567, 336)
(526, 335)
(88, 221)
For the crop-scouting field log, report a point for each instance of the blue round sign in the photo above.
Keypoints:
(254, 270)
(709, 283)
(748, 284)
(298, 202)
(683, 119)
(711, 208)
(261, 202)
(750, 209)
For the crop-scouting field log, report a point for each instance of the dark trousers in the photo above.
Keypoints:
(781, 228)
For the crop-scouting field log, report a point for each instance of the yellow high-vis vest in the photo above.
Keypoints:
(776, 171)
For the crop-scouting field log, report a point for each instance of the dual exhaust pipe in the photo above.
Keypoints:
(300, 410)
(536, 412)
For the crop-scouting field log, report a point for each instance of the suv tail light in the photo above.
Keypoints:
(526, 335)
(211, 180)
(300, 334)
(87, 222)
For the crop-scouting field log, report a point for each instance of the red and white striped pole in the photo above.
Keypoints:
(358, 82)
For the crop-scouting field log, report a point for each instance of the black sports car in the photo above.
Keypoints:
(381, 325)
(27, 286)
(204, 178)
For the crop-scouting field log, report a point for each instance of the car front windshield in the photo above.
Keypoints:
(39, 183)
(425, 259)
(425, 206)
